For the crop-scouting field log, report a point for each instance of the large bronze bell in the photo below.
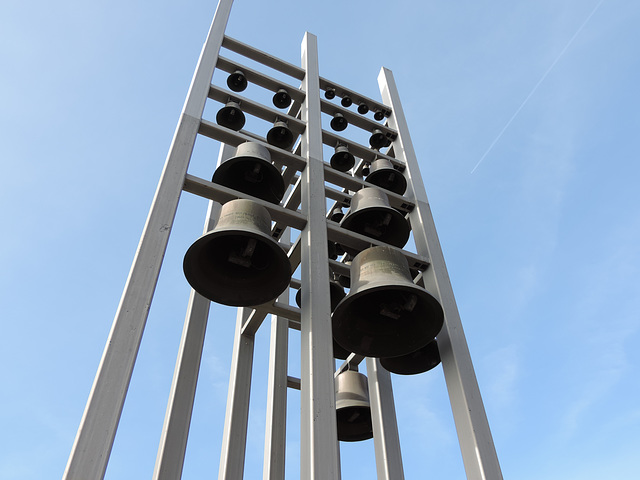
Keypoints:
(231, 116)
(371, 215)
(238, 263)
(237, 81)
(420, 361)
(385, 314)
(342, 160)
(280, 136)
(251, 172)
(336, 294)
(353, 413)
(385, 176)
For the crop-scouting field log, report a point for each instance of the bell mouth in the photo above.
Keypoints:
(354, 424)
(387, 320)
(237, 269)
(420, 361)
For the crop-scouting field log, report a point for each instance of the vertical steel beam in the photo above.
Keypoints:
(385, 427)
(319, 450)
(275, 431)
(234, 437)
(175, 431)
(94, 440)
(476, 443)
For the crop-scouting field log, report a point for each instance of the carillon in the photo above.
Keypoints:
(280, 136)
(342, 160)
(230, 116)
(237, 82)
(384, 175)
(353, 411)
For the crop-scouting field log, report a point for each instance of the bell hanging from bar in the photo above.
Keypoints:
(251, 172)
(385, 314)
(353, 413)
(230, 116)
(336, 294)
(346, 102)
(420, 361)
(338, 122)
(363, 109)
(378, 115)
(282, 99)
(280, 135)
(336, 214)
(385, 176)
(238, 263)
(342, 160)
(237, 82)
(377, 139)
(371, 215)
(330, 94)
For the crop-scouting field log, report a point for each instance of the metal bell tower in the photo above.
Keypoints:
(313, 188)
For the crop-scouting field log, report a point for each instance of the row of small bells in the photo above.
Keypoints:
(232, 117)
(385, 315)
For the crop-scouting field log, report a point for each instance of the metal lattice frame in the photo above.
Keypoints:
(308, 191)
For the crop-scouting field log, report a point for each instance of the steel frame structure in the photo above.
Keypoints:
(307, 175)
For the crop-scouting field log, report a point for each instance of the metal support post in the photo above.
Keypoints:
(94, 440)
(234, 437)
(476, 443)
(318, 437)
(175, 431)
(385, 426)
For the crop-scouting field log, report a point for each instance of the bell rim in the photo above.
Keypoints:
(277, 283)
(394, 364)
(359, 434)
(342, 312)
(402, 183)
(275, 176)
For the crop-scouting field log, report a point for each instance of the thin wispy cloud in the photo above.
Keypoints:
(535, 87)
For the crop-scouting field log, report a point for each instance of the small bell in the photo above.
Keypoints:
(336, 214)
(230, 116)
(377, 139)
(379, 115)
(282, 99)
(342, 160)
(353, 412)
(385, 176)
(385, 314)
(346, 102)
(363, 109)
(280, 135)
(338, 122)
(237, 82)
(330, 94)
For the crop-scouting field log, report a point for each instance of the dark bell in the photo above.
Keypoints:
(251, 172)
(371, 215)
(377, 139)
(385, 314)
(237, 82)
(342, 160)
(338, 122)
(280, 135)
(336, 214)
(353, 413)
(363, 109)
(282, 99)
(230, 116)
(332, 251)
(420, 361)
(346, 102)
(366, 170)
(238, 263)
(385, 176)
(379, 115)
(330, 94)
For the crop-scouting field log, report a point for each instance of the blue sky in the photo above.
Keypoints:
(539, 221)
